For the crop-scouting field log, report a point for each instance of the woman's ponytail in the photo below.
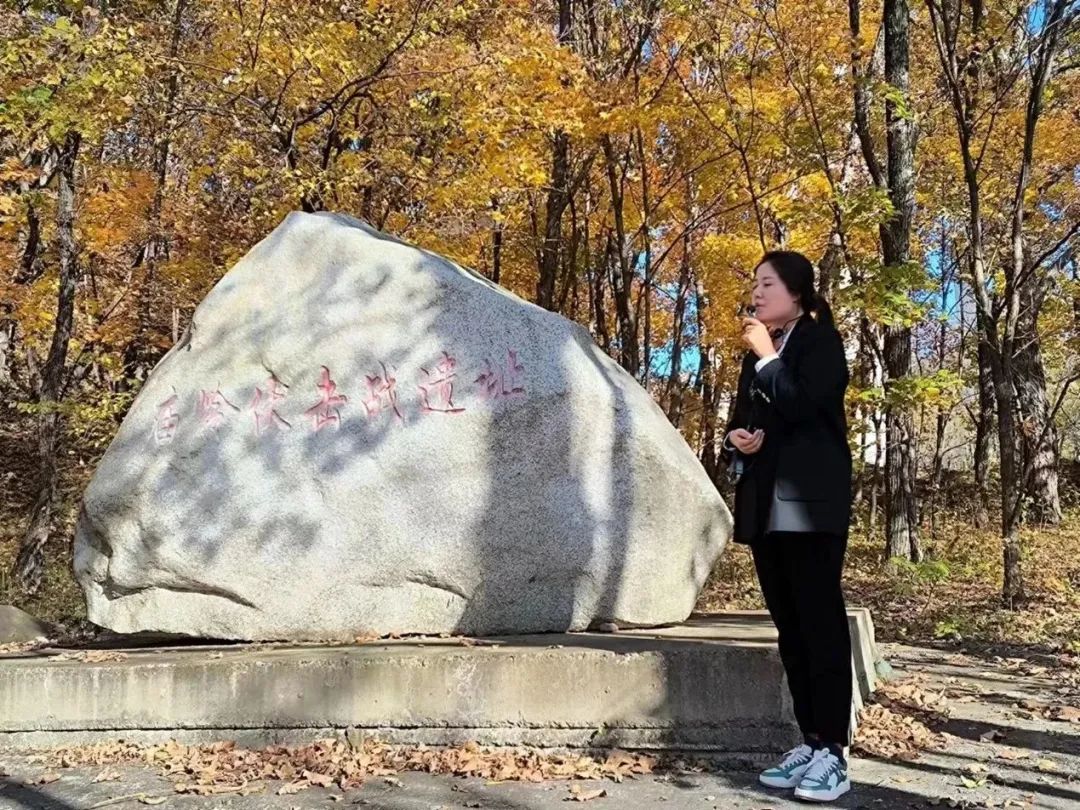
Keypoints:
(820, 307)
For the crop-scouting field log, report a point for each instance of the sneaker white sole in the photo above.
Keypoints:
(779, 781)
(824, 795)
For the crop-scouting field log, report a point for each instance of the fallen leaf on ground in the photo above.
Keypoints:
(92, 656)
(22, 646)
(142, 798)
(1068, 714)
(889, 734)
(228, 768)
(1010, 753)
(106, 776)
(318, 779)
(48, 778)
(293, 787)
(207, 790)
(579, 795)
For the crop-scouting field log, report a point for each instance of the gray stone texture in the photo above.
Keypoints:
(357, 436)
(18, 626)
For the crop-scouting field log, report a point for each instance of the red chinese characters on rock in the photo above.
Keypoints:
(327, 410)
(437, 387)
(167, 421)
(382, 394)
(503, 380)
(436, 390)
(213, 407)
(262, 406)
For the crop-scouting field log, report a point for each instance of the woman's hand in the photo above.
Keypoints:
(756, 337)
(746, 442)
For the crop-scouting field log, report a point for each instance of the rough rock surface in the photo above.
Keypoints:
(357, 436)
(18, 626)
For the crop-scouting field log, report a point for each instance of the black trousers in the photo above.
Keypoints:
(799, 575)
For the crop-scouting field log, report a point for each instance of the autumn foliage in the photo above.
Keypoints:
(624, 164)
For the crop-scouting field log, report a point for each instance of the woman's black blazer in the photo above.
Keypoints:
(800, 481)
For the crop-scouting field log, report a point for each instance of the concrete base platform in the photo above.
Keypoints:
(714, 683)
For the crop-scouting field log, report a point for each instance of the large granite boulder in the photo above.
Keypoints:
(357, 436)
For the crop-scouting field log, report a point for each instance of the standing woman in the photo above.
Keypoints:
(787, 445)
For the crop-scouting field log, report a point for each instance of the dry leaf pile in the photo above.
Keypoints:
(91, 656)
(912, 695)
(886, 734)
(897, 725)
(227, 768)
(20, 647)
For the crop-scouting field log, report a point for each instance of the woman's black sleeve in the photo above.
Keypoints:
(818, 385)
(740, 417)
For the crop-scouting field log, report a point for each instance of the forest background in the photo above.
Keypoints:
(625, 164)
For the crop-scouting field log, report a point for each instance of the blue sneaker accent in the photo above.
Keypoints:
(790, 770)
(825, 780)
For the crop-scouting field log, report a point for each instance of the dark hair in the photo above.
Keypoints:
(797, 273)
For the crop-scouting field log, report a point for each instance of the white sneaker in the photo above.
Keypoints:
(790, 770)
(825, 780)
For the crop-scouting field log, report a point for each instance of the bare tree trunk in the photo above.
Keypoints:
(558, 193)
(863, 374)
(29, 270)
(30, 561)
(941, 421)
(1040, 437)
(30, 266)
(570, 264)
(496, 242)
(1018, 283)
(938, 475)
(710, 459)
(984, 426)
(875, 481)
(1011, 469)
(902, 525)
(707, 381)
(551, 249)
(622, 266)
(1039, 432)
(901, 506)
(645, 298)
(674, 393)
(830, 264)
(140, 355)
(595, 277)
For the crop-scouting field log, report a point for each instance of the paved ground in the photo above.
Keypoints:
(999, 755)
